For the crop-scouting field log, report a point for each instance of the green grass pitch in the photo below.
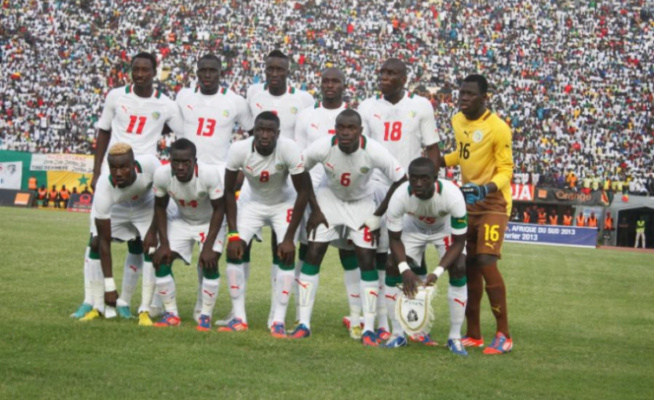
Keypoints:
(582, 322)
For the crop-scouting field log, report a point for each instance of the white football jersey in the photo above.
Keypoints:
(403, 128)
(193, 198)
(138, 121)
(313, 124)
(267, 176)
(286, 107)
(107, 194)
(348, 175)
(209, 121)
(428, 215)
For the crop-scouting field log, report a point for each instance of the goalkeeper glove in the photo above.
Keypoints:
(473, 192)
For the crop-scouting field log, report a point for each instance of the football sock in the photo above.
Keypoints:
(236, 280)
(283, 288)
(148, 284)
(166, 288)
(370, 294)
(96, 279)
(496, 292)
(296, 288)
(88, 293)
(200, 296)
(457, 297)
(308, 286)
(209, 295)
(475, 293)
(353, 288)
(131, 272)
(382, 313)
(393, 292)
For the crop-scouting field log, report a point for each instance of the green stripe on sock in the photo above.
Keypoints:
(276, 260)
(349, 262)
(381, 266)
(310, 269)
(284, 267)
(94, 255)
(246, 257)
(459, 282)
(233, 261)
(163, 270)
(369, 276)
(147, 258)
(393, 280)
(135, 247)
(211, 274)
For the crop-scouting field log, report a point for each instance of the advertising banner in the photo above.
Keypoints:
(11, 174)
(79, 163)
(80, 203)
(551, 235)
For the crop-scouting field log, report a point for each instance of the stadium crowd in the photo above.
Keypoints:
(572, 78)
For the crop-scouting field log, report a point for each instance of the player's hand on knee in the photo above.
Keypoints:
(163, 255)
(110, 298)
(316, 218)
(208, 258)
(473, 192)
(373, 224)
(410, 283)
(235, 250)
(286, 252)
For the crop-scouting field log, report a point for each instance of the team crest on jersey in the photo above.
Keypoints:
(279, 167)
(364, 170)
(156, 115)
(477, 136)
(293, 110)
(442, 213)
(412, 114)
(225, 113)
(202, 194)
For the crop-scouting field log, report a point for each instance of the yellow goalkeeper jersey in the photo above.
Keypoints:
(484, 153)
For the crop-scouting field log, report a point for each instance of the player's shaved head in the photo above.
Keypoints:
(211, 57)
(396, 64)
(349, 113)
(267, 116)
(147, 56)
(184, 144)
(334, 72)
(422, 166)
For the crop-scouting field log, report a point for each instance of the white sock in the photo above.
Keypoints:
(307, 288)
(200, 298)
(382, 313)
(236, 280)
(392, 294)
(166, 289)
(96, 280)
(352, 279)
(296, 288)
(88, 293)
(209, 295)
(369, 294)
(457, 298)
(148, 286)
(131, 272)
(283, 288)
(273, 278)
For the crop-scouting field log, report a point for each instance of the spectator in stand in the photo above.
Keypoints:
(572, 78)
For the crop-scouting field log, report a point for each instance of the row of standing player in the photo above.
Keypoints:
(399, 121)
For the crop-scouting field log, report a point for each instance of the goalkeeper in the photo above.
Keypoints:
(421, 212)
(483, 151)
